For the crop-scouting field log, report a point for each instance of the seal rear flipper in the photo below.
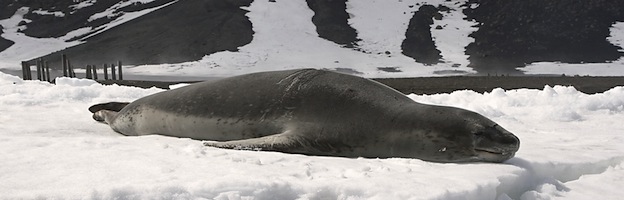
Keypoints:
(104, 116)
(283, 142)
(112, 106)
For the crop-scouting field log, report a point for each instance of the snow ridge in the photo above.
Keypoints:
(541, 180)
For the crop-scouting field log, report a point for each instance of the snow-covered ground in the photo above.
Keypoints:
(572, 144)
(50, 148)
(283, 40)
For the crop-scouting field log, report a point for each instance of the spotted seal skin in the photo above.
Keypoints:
(312, 112)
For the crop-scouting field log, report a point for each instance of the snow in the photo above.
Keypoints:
(453, 38)
(25, 47)
(45, 12)
(617, 35)
(82, 4)
(571, 148)
(112, 11)
(571, 142)
(381, 31)
(614, 68)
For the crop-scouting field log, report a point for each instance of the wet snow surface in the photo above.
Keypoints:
(571, 148)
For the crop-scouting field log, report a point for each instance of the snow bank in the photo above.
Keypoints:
(52, 149)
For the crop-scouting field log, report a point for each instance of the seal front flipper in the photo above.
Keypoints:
(283, 142)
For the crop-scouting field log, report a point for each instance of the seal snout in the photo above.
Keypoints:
(496, 144)
(508, 140)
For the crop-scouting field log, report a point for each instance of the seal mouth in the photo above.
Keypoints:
(493, 155)
(490, 151)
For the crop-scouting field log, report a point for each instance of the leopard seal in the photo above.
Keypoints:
(312, 112)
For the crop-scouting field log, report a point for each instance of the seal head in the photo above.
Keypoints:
(458, 135)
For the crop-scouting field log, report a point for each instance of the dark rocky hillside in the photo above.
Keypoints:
(4, 43)
(511, 33)
(516, 32)
(44, 26)
(184, 31)
(418, 43)
(330, 19)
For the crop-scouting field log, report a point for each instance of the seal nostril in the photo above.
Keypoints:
(511, 140)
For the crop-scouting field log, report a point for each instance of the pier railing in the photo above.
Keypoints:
(42, 70)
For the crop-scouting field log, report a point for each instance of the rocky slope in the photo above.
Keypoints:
(507, 34)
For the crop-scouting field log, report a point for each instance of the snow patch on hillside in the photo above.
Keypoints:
(123, 16)
(617, 35)
(453, 38)
(113, 11)
(45, 12)
(26, 47)
(82, 4)
(385, 29)
(285, 41)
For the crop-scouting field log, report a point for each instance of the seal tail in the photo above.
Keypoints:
(112, 106)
